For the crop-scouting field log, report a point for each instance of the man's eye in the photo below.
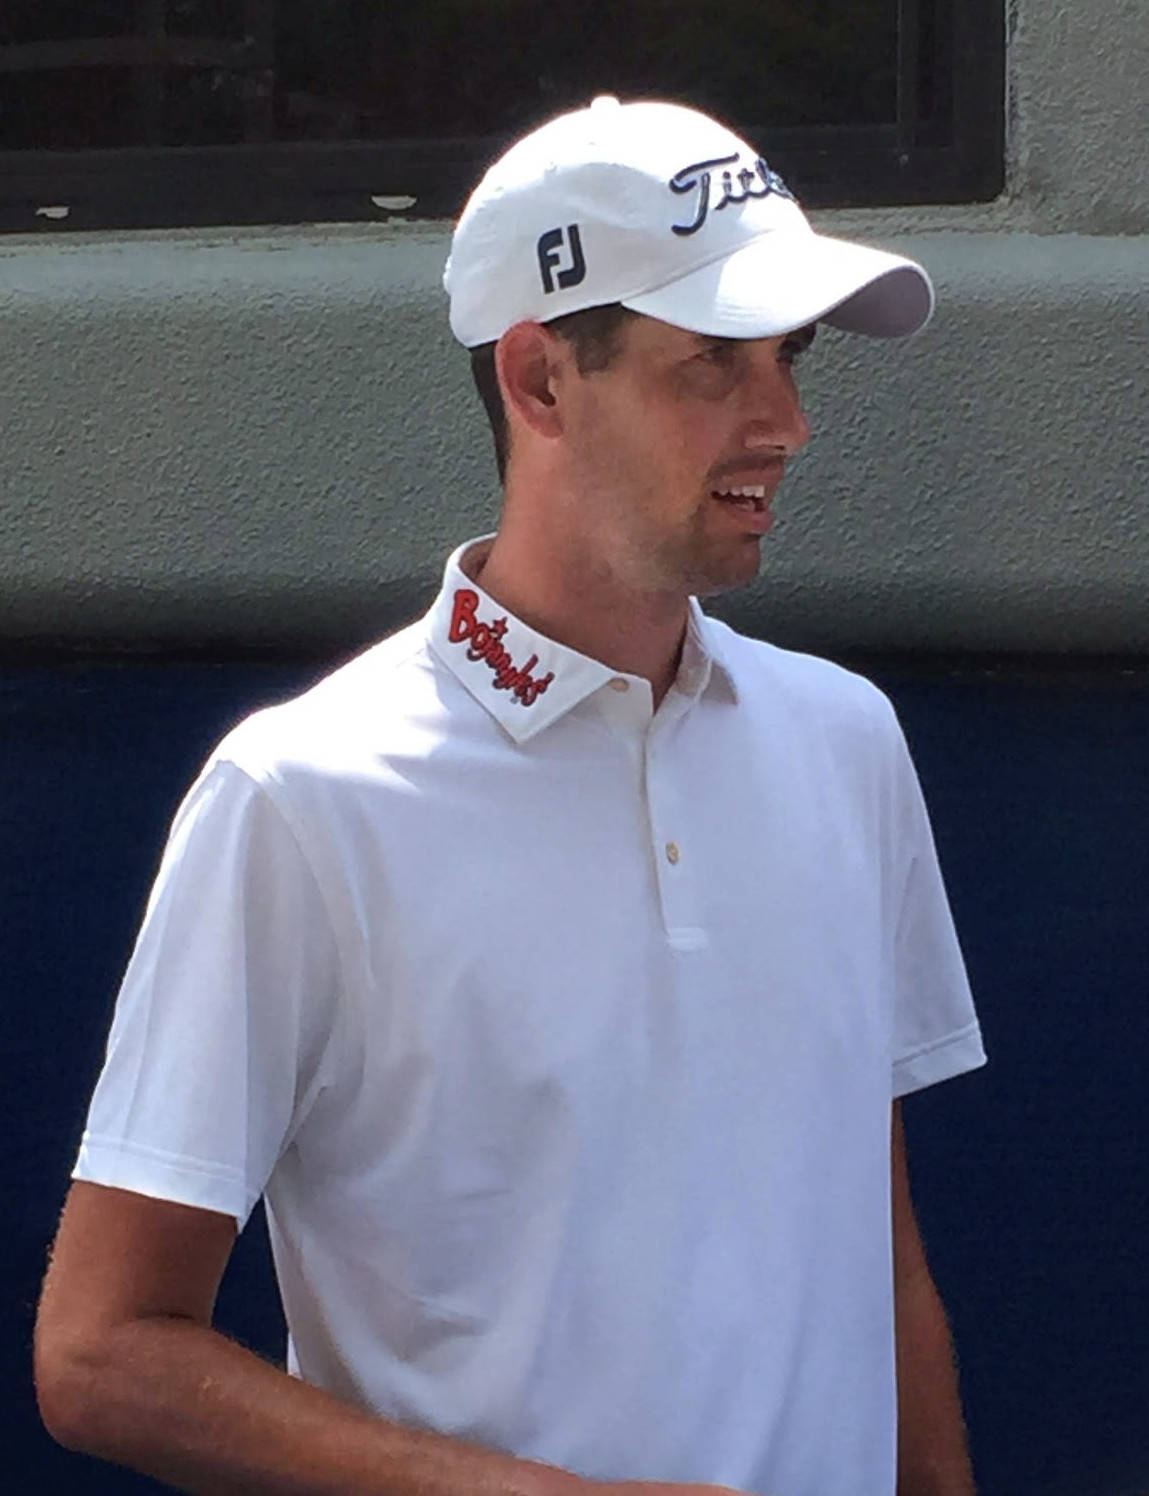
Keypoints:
(721, 354)
(795, 346)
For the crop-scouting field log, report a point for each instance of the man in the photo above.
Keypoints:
(554, 967)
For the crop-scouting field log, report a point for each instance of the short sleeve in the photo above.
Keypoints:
(227, 1017)
(935, 1028)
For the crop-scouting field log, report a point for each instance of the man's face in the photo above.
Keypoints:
(677, 450)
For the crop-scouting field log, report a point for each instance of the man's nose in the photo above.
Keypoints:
(777, 419)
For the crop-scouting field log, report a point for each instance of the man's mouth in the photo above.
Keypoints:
(748, 496)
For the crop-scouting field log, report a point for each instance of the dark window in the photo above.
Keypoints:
(134, 113)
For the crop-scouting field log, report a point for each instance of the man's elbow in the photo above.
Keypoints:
(68, 1373)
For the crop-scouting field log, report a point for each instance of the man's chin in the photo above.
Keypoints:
(731, 571)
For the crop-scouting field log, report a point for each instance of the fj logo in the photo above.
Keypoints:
(550, 259)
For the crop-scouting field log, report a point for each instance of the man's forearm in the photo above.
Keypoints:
(180, 1402)
(933, 1458)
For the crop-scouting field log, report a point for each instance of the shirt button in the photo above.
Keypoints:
(618, 684)
(672, 853)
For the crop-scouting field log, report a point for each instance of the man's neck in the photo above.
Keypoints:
(586, 608)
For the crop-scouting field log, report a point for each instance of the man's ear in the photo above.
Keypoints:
(529, 361)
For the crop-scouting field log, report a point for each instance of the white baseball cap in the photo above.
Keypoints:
(668, 212)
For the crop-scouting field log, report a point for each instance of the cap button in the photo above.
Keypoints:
(604, 103)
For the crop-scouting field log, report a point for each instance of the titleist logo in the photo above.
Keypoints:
(736, 186)
(486, 641)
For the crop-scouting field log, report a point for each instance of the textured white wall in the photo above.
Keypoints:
(268, 437)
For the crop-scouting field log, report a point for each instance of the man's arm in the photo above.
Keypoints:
(129, 1369)
(933, 1459)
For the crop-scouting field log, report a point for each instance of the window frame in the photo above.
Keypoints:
(278, 183)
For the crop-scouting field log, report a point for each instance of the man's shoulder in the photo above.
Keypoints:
(765, 673)
(349, 715)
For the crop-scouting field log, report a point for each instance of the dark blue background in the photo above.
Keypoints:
(1031, 1175)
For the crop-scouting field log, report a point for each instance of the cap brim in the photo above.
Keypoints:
(782, 281)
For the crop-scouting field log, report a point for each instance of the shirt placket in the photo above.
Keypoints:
(670, 847)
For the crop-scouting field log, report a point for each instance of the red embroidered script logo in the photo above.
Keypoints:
(486, 644)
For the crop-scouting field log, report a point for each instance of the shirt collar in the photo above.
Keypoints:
(704, 665)
(524, 679)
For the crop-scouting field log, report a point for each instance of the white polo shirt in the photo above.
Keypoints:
(561, 1037)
